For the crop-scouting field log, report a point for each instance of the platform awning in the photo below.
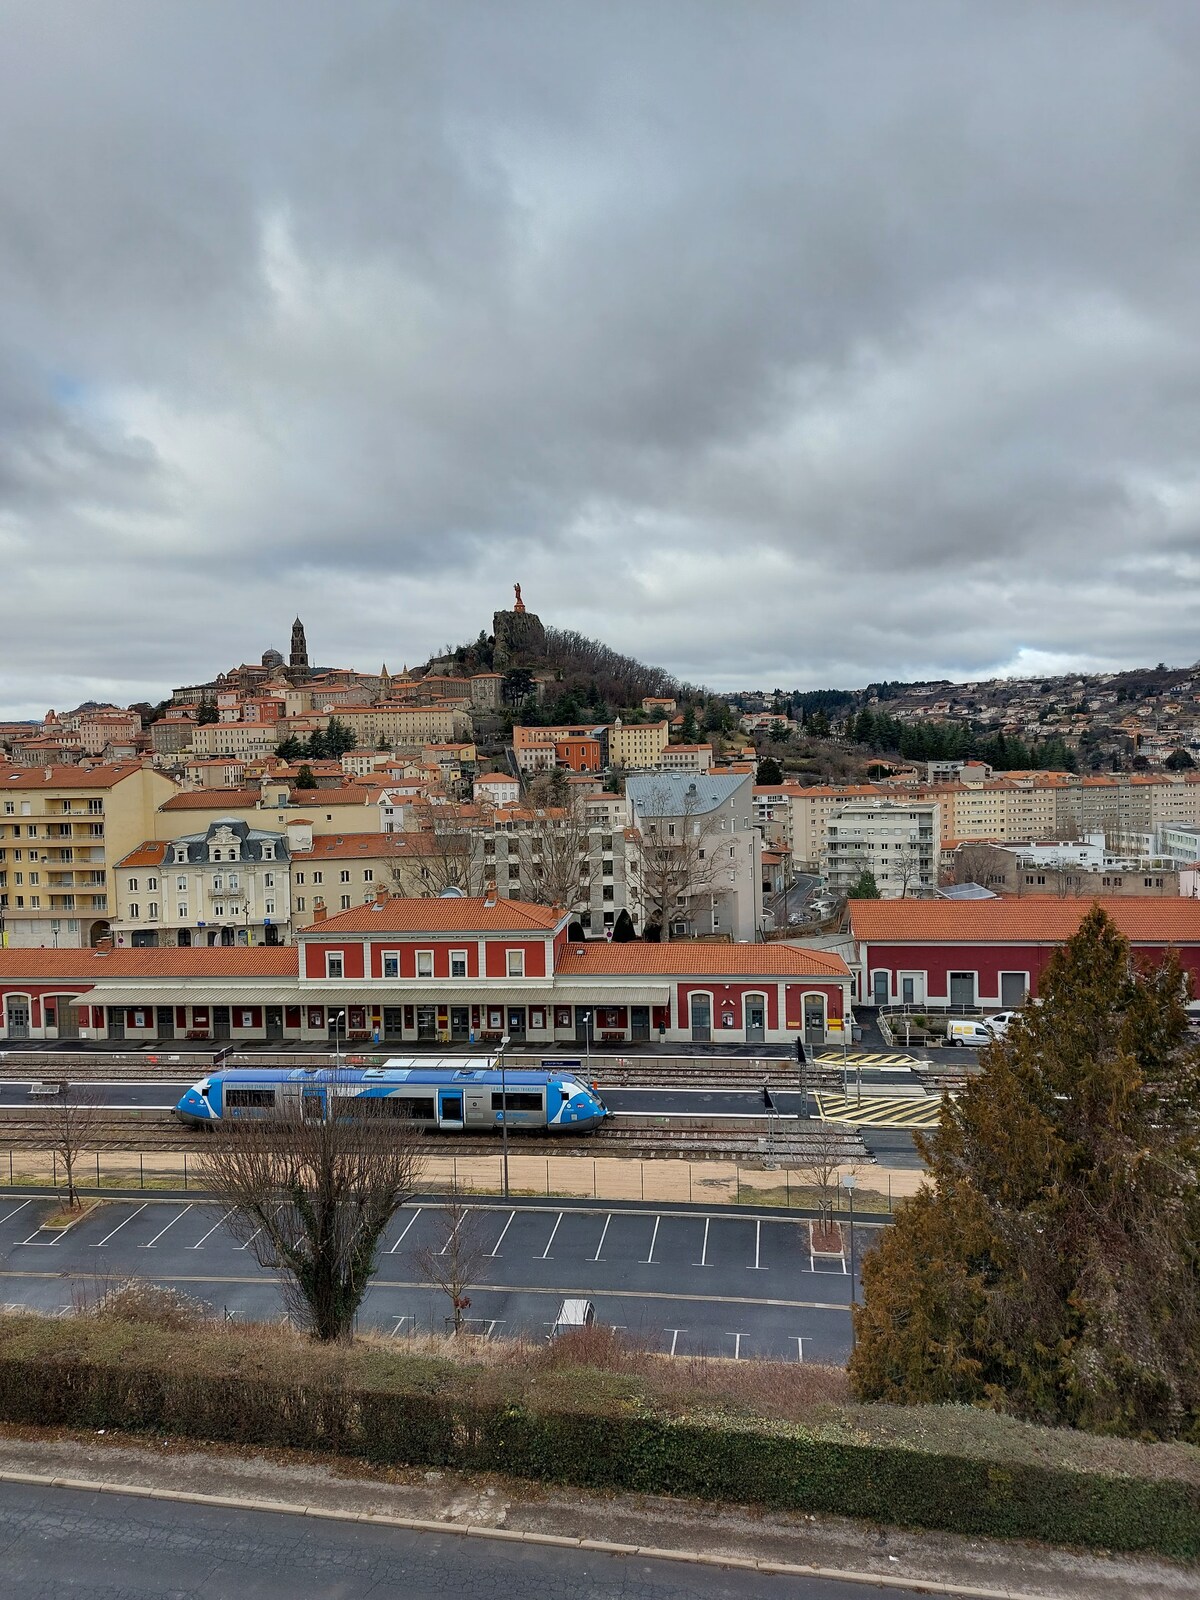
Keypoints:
(144, 994)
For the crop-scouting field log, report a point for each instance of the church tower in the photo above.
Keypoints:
(298, 661)
(385, 684)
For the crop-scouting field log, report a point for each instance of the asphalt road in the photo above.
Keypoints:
(686, 1282)
(111, 1547)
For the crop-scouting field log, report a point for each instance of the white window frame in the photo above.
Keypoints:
(389, 955)
(514, 963)
(335, 958)
(424, 966)
(459, 958)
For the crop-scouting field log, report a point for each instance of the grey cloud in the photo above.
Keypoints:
(789, 342)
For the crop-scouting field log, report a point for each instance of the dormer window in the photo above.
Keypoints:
(180, 853)
(268, 851)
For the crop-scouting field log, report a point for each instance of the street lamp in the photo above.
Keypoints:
(338, 1016)
(849, 1181)
(587, 1045)
(505, 1041)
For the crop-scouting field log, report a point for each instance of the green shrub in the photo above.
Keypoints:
(958, 1469)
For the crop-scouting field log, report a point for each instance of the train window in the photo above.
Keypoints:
(249, 1097)
(517, 1101)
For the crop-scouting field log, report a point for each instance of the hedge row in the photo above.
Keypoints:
(782, 1466)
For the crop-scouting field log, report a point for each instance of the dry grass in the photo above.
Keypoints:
(66, 1215)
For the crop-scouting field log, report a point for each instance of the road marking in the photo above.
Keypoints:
(703, 1261)
(588, 1291)
(15, 1209)
(200, 1243)
(757, 1246)
(674, 1332)
(603, 1236)
(503, 1231)
(159, 1234)
(545, 1255)
(799, 1346)
(100, 1242)
(48, 1244)
(880, 1112)
(400, 1321)
(407, 1226)
(249, 1241)
(649, 1261)
(737, 1345)
(453, 1230)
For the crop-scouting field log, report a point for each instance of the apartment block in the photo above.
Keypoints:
(896, 841)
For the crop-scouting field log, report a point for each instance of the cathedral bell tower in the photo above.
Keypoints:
(298, 660)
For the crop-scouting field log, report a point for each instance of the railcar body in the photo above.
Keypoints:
(466, 1097)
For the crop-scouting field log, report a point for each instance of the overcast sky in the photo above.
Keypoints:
(801, 343)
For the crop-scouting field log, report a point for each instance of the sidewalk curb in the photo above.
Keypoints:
(516, 1536)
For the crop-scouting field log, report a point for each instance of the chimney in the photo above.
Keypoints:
(381, 895)
(47, 773)
(319, 912)
(489, 895)
(103, 946)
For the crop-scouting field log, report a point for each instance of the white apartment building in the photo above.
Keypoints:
(227, 886)
(898, 842)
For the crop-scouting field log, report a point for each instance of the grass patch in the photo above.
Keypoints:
(597, 1410)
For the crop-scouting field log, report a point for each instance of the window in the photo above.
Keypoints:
(247, 1099)
(345, 902)
(152, 883)
(35, 901)
(234, 881)
(301, 903)
(95, 807)
(516, 963)
(344, 875)
(608, 891)
(36, 877)
(268, 880)
(180, 853)
(268, 851)
(181, 911)
(334, 964)
(218, 911)
(424, 963)
(368, 875)
(299, 877)
(133, 884)
(391, 963)
(318, 877)
(10, 809)
(134, 910)
(181, 885)
(269, 909)
(517, 1100)
(218, 884)
(458, 963)
(514, 870)
(152, 910)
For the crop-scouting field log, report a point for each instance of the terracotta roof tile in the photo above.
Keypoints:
(683, 959)
(458, 914)
(68, 777)
(95, 966)
(1143, 920)
(147, 854)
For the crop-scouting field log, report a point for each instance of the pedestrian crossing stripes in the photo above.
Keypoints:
(878, 1111)
(869, 1058)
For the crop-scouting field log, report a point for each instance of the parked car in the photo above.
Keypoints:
(573, 1314)
(999, 1022)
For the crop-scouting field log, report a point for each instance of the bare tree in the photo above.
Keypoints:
(553, 846)
(677, 854)
(443, 853)
(908, 863)
(69, 1126)
(823, 1155)
(311, 1192)
(458, 1263)
(972, 863)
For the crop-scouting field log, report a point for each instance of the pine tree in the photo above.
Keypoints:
(1052, 1266)
(769, 771)
(864, 887)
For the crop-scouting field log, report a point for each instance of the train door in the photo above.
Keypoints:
(312, 1103)
(450, 1110)
(639, 1023)
(18, 1018)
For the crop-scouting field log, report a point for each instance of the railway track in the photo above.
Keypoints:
(158, 1130)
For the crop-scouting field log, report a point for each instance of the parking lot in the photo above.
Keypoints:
(683, 1281)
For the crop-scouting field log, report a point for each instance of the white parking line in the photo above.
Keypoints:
(503, 1231)
(249, 1241)
(400, 1321)
(674, 1332)
(100, 1242)
(453, 1231)
(758, 1267)
(200, 1244)
(159, 1234)
(15, 1209)
(737, 1345)
(603, 1236)
(799, 1346)
(703, 1261)
(58, 1232)
(407, 1226)
(649, 1261)
(546, 1252)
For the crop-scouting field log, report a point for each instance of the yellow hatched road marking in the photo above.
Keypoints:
(869, 1058)
(877, 1112)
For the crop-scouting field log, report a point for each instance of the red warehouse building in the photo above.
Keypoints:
(992, 953)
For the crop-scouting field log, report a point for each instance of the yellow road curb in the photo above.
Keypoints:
(477, 1530)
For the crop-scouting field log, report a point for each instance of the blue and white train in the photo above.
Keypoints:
(469, 1097)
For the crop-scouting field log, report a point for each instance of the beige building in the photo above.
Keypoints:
(636, 745)
(226, 886)
(274, 807)
(687, 758)
(407, 725)
(244, 740)
(62, 831)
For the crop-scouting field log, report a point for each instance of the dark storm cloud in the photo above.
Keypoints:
(789, 342)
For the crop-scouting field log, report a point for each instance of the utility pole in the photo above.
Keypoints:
(504, 1044)
(849, 1181)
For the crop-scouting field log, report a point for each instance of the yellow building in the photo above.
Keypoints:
(62, 831)
(637, 744)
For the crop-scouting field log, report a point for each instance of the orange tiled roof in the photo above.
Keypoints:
(95, 966)
(459, 914)
(343, 847)
(1143, 920)
(683, 959)
(67, 777)
(148, 854)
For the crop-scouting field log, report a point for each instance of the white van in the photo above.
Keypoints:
(966, 1030)
(1000, 1021)
(573, 1314)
